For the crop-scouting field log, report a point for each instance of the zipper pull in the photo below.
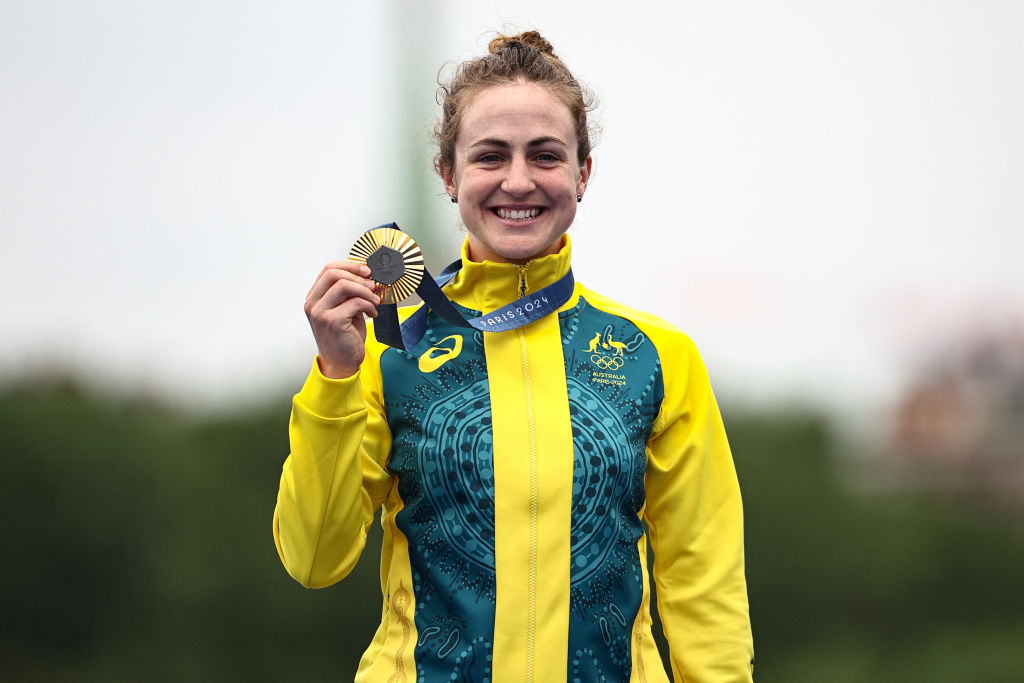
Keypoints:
(522, 280)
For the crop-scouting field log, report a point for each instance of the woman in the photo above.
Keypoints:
(515, 468)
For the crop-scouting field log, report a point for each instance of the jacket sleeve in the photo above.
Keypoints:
(695, 519)
(335, 477)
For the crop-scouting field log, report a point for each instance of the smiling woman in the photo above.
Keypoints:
(515, 149)
(515, 469)
(515, 173)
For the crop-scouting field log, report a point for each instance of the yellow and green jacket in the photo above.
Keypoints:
(516, 471)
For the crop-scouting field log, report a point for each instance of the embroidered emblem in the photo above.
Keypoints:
(610, 355)
(436, 356)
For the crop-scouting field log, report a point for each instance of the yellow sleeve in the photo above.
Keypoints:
(695, 519)
(335, 477)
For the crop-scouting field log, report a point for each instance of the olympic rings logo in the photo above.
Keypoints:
(607, 362)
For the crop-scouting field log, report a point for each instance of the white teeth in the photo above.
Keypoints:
(520, 214)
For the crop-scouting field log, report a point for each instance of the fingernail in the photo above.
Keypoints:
(371, 284)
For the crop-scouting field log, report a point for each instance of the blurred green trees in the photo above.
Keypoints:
(138, 548)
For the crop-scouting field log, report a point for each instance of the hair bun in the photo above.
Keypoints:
(530, 38)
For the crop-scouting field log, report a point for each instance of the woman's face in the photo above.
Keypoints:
(516, 175)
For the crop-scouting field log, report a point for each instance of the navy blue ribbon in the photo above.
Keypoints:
(520, 312)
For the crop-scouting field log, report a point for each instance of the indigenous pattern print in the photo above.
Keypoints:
(442, 456)
(615, 390)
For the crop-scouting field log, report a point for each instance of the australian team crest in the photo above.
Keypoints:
(609, 354)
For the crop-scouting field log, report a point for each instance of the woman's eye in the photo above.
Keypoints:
(490, 158)
(547, 158)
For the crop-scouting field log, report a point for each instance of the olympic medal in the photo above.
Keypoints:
(395, 262)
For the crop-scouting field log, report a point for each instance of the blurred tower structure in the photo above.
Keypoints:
(416, 195)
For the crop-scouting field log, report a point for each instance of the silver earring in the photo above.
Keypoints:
(455, 200)
(579, 198)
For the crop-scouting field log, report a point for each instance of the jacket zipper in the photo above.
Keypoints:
(531, 607)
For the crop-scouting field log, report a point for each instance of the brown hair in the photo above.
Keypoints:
(527, 57)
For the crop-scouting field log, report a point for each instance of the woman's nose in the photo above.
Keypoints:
(519, 179)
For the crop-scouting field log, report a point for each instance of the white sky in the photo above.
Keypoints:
(819, 193)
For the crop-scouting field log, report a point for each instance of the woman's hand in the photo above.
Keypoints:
(335, 306)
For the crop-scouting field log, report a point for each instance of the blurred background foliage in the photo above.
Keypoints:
(139, 548)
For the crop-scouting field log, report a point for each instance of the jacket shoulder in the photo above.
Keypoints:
(662, 333)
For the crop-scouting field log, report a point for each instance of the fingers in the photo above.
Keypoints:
(345, 300)
(344, 289)
(335, 270)
(337, 283)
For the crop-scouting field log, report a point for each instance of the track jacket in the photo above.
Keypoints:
(515, 470)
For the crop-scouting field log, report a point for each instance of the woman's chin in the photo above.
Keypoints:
(514, 248)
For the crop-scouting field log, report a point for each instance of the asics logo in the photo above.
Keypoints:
(436, 356)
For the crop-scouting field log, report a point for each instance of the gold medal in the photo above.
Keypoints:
(395, 262)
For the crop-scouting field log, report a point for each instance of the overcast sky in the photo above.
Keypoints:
(822, 194)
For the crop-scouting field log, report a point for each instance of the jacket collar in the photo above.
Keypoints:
(485, 285)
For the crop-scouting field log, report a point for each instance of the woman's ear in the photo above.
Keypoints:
(448, 178)
(585, 170)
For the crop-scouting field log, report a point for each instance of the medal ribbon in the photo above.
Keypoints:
(520, 312)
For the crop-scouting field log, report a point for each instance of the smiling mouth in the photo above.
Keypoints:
(517, 214)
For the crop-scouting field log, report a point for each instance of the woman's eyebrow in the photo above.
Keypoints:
(490, 142)
(545, 140)
(504, 144)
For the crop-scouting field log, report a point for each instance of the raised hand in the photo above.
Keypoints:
(335, 306)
